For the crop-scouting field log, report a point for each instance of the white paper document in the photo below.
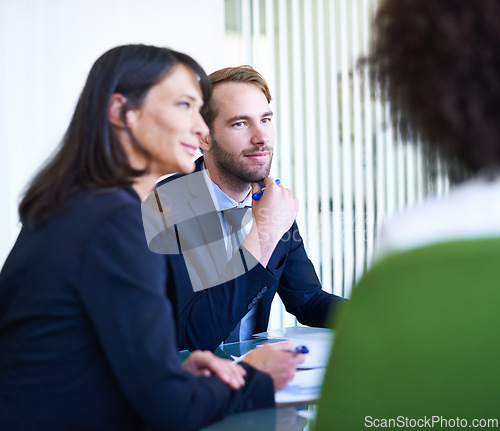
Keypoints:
(318, 355)
(293, 332)
(305, 387)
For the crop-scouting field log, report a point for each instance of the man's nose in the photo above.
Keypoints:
(261, 137)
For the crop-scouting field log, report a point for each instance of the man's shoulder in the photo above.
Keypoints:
(179, 184)
(170, 179)
(179, 176)
(179, 189)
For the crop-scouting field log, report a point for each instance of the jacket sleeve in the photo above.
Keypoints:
(299, 287)
(122, 288)
(205, 318)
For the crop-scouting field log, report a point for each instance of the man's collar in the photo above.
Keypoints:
(198, 163)
(221, 199)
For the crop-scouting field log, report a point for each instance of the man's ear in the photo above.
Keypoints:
(206, 143)
(116, 103)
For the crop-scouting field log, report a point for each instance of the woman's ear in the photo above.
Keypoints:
(115, 109)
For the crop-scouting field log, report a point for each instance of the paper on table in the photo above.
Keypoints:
(318, 355)
(293, 332)
(305, 387)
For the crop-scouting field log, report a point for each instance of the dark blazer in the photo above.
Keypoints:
(87, 339)
(206, 317)
(180, 217)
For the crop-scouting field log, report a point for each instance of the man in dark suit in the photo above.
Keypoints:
(222, 278)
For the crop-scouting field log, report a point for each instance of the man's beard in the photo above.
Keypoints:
(233, 169)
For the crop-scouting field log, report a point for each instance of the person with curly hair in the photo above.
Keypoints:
(438, 66)
(417, 345)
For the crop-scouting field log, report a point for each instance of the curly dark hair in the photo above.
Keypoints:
(438, 64)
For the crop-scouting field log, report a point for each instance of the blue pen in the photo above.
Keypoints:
(300, 349)
(257, 195)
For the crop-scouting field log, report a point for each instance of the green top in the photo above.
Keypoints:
(420, 338)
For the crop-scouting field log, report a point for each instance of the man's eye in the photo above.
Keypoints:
(266, 120)
(238, 124)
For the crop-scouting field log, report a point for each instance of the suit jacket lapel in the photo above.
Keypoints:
(206, 214)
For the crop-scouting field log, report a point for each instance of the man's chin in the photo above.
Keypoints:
(256, 177)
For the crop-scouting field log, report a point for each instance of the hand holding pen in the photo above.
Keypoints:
(273, 215)
(274, 206)
(257, 195)
(276, 360)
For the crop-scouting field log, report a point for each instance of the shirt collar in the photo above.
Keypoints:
(222, 201)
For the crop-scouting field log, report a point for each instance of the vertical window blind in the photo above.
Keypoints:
(335, 147)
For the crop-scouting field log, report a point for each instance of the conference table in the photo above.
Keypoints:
(291, 416)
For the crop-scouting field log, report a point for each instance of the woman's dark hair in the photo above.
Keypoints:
(90, 155)
(438, 64)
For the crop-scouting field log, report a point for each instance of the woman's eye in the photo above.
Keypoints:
(184, 105)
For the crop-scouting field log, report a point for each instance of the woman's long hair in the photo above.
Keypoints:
(90, 155)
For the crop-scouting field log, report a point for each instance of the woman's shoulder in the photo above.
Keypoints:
(98, 202)
(88, 209)
(107, 197)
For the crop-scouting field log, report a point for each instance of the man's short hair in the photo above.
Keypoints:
(243, 74)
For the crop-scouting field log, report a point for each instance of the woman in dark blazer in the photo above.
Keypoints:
(87, 340)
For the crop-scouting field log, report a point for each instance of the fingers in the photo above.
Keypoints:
(268, 181)
(299, 358)
(286, 346)
(205, 363)
(276, 360)
(283, 374)
(282, 345)
(271, 188)
(231, 374)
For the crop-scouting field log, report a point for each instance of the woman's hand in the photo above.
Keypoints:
(205, 363)
(276, 360)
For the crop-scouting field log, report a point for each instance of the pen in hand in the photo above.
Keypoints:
(299, 349)
(257, 195)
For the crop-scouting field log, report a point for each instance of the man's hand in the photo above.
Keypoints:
(273, 216)
(276, 210)
(275, 360)
(205, 363)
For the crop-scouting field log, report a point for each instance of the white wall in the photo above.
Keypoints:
(46, 50)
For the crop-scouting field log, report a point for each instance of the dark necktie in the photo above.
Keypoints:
(236, 218)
